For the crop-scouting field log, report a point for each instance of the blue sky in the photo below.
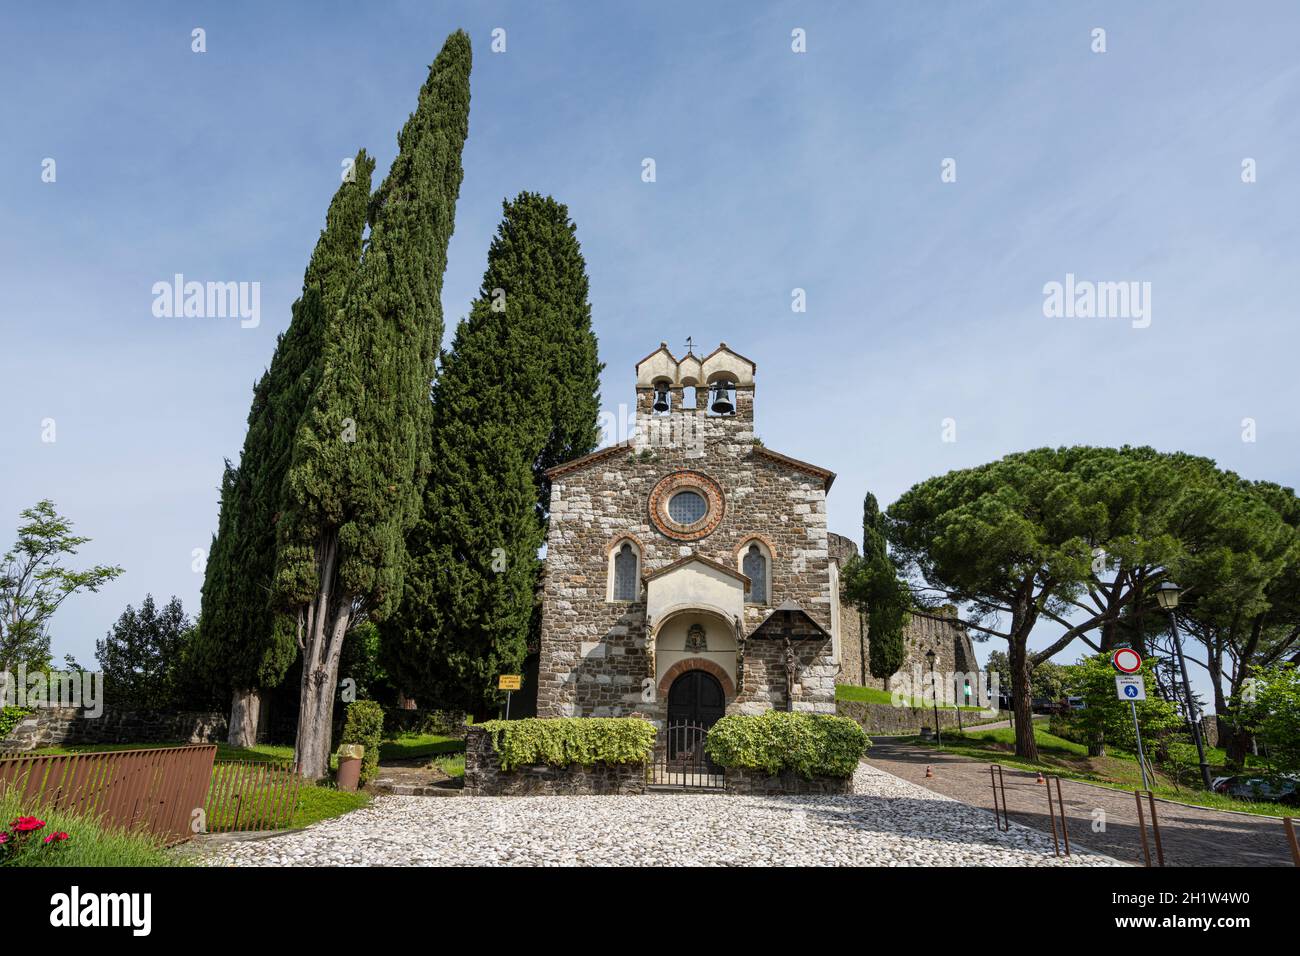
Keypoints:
(775, 171)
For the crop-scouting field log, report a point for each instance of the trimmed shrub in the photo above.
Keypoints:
(562, 741)
(365, 726)
(777, 741)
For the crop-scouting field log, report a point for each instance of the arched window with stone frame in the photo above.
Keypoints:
(756, 564)
(624, 571)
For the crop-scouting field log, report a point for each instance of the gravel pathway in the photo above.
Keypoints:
(887, 822)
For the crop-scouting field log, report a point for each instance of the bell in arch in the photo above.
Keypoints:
(721, 404)
(661, 397)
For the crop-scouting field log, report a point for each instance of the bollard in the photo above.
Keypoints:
(1289, 826)
(1051, 812)
(1060, 805)
(1155, 828)
(998, 783)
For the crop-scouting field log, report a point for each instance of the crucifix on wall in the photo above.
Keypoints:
(791, 670)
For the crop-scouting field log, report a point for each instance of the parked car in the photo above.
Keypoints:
(1266, 789)
(1076, 703)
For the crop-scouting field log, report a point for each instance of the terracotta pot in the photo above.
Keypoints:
(349, 773)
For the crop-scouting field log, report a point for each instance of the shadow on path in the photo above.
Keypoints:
(1099, 819)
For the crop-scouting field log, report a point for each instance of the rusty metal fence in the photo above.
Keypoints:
(154, 791)
(251, 795)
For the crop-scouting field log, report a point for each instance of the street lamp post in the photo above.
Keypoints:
(1167, 595)
(929, 656)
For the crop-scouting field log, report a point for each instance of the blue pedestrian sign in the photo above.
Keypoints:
(1130, 687)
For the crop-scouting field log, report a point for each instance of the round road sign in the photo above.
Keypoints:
(1127, 660)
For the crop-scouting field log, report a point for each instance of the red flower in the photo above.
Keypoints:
(4, 838)
(56, 837)
(26, 824)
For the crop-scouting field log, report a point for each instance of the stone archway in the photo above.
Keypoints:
(696, 664)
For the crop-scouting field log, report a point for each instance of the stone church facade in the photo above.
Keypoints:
(689, 571)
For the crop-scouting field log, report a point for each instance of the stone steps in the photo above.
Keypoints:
(679, 789)
(413, 790)
(409, 781)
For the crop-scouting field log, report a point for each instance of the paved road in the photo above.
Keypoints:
(1192, 836)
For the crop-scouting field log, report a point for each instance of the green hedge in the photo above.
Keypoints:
(807, 744)
(11, 717)
(561, 741)
(365, 726)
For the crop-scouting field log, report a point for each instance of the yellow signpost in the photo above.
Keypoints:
(508, 683)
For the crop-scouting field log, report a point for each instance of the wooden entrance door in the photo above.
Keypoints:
(696, 697)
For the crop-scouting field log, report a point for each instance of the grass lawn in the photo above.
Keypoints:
(317, 803)
(402, 748)
(1117, 769)
(88, 845)
(873, 695)
(224, 751)
(453, 765)
(420, 745)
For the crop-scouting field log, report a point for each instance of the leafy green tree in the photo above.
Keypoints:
(142, 657)
(1243, 605)
(247, 642)
(362, 451)
(34, 582)
(362, 664)
(998, 663)
(871, 582)
(1107, 719)
(1049, 680)
(1271, 708)
(1011, 543)
(517, 394)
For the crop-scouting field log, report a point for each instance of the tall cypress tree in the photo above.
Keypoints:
(871, 582)
(361, 453)
(245, 645)
(518, 393)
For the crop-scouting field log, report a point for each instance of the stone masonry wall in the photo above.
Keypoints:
(595, 656)
(763, 682)
(753, 782)
(56, 726)
(888, 720)
(485, 778)
(950, 642)
(853, 646)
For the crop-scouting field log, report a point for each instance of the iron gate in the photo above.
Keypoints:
(680, 759)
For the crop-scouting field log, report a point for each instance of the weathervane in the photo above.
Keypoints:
(690, 347)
